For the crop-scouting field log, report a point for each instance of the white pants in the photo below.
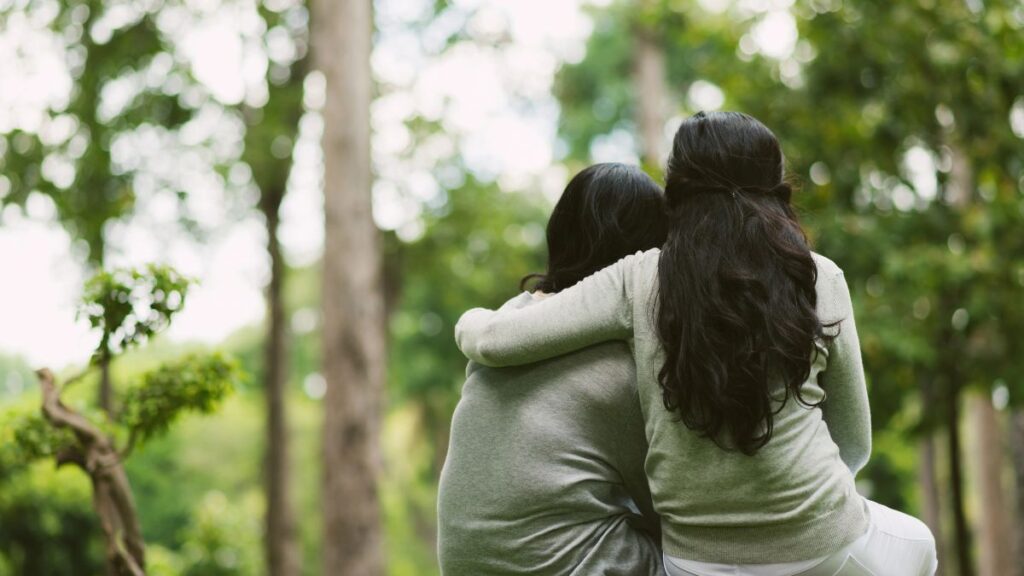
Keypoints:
(896, 544)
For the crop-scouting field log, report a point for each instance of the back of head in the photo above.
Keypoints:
(607, 211)
(736, 282)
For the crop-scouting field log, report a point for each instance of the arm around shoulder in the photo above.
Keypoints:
(597, 309)
(474, 336)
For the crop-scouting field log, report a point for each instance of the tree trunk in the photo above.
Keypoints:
(280, 536)
(95, 453)
(1017, 444)
(928, 480)
(353, 307)
(649, 87)
(106, 388)
(994, 538)
(961, 532)
(96, 264)
(959, 193)
(930, 508)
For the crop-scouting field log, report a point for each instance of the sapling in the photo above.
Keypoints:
(127, 307)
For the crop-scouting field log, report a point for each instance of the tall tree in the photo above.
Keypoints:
(270, 135)
(927, 468)
(280, 537)
(959, 191)
(1017, 445)
(995, 538)
(649, 84)
(353, 307)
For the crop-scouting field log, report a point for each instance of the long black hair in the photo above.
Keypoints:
(736, 299)
(607, 211)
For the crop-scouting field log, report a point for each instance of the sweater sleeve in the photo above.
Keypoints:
(846, 410)
(597, 309)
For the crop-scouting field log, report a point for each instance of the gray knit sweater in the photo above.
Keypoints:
(794, 500)
(545, 470)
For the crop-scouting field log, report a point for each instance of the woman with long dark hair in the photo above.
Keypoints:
(749, 371)
(545, 468)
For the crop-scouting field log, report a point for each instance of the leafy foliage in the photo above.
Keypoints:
(25, 438)
(34, 439)
(224, 537)
(49, 527)
(98, 190)
(196, 383)
(130, 306)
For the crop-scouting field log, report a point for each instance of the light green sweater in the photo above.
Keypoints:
(793, 500)
(545, 471)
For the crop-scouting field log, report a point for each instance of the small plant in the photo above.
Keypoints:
(128, 307)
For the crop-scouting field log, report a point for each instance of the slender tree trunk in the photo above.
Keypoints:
(1017, 444)
(961, 531)
(927, 470)
(931, 509)
(97, 262)
(959, 194)
(649, 88)
(928, 481)
(994, 538)
(106, 388)
(280, 537)
(96, 455)
(353, 306)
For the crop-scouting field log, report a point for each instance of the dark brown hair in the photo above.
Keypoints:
(607, 212)
(736, 301)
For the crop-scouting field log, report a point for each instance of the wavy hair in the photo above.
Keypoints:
(736, 302)
(607, 212)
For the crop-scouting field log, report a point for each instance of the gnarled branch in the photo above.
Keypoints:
(112, 497)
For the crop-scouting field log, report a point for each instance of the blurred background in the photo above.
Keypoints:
(204, 135)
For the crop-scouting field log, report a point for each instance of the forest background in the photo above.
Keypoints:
(400, 159)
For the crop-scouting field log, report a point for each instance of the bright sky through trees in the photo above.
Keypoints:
(493, 100)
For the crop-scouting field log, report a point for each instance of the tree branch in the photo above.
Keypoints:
(76, 377)
(60, 416)
(112, 497)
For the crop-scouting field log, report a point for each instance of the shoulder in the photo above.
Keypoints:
(628, 273)
(833, 292)
(641, 262)
(640, 258)
(829, 273)
(518, 301)
(649, 256)
(826, 266)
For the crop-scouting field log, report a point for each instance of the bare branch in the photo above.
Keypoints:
(59, 415)
(77, 377)
(112, 497)
(123, 453)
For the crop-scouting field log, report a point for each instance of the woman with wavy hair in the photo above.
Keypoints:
(748, 367)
